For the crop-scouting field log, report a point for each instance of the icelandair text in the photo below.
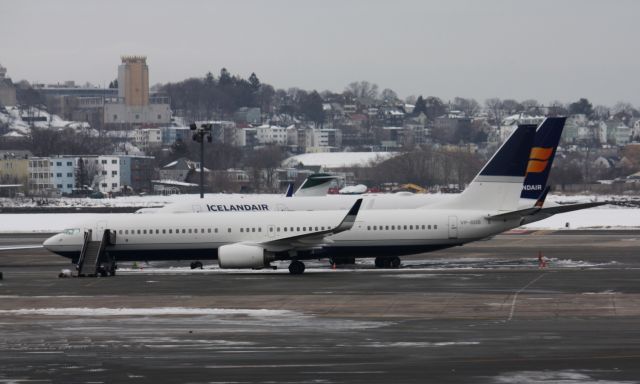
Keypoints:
(237, 207)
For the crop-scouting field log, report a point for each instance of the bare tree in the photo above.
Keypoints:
(389, 96)
(494, 108)
(364, 91)
(470, 107)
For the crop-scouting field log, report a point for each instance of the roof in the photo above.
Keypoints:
(329, 160)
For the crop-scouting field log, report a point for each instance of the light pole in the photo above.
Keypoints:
(198, 135)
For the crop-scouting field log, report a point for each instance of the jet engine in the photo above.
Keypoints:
(243, 256)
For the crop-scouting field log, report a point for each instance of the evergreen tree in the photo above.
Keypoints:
(420, 107)
(254, 81)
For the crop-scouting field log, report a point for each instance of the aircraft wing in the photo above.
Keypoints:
(18, 247)
(313, 239)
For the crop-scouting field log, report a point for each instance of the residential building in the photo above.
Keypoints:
(179, 170)
(271, 134)
(14, 167)
(40, 175)
(107, 176)
(63, 173)
(136, 172)
(170, 135)
(148, 138)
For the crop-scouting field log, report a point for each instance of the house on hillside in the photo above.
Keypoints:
(182, 169)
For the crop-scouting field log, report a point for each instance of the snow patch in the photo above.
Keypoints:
(154, 311)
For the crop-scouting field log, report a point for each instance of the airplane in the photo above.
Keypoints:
(488, 206)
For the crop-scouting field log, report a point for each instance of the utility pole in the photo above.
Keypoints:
(199, 132)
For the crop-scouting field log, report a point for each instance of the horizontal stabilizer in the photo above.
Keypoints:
(514, 214)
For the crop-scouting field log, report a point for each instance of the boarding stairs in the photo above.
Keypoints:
(93, 252)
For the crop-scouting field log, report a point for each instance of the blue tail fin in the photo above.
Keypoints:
(498, 185)
(541, 158)
(511, 159)
(289, 192)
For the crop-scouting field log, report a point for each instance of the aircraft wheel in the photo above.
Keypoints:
(379, 262)
(196, 265)
(296, 267)
(395, 262)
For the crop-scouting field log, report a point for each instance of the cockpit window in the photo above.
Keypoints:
(71, 231)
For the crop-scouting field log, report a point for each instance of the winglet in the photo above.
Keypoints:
(543, 196)
(349, 219)
(289, 190)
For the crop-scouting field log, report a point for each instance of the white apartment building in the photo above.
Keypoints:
(147, 138)
(107, 177)
(271, 134)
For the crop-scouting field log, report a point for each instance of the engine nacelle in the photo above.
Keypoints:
(242, 256)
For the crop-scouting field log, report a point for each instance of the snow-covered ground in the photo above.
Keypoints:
(19, 127)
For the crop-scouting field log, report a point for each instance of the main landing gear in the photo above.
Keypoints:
(196, 265)
(387, 262)
(296, 267)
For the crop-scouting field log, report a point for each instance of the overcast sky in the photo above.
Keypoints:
(543, 49)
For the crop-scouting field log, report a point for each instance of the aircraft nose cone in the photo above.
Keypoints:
(50, 241)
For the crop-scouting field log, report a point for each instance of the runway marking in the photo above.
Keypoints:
(515, 296)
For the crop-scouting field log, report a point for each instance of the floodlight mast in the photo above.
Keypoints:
(199, 133)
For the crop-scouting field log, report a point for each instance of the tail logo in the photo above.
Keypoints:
(538, 159)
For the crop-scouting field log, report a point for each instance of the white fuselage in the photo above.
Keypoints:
(198, 236)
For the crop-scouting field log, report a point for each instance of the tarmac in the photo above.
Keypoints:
(482, 313)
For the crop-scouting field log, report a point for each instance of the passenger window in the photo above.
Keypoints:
(216, 230)
(208, 230)
(157, 231)
(304, 229)
(429, 226)
(120, 231)
(422, 226)
(368, 227)
(164, 231)
(393, 227)
(144, 231)
(386, 227)
(411, 227)
(285, 229)
(229, 230)
(435, 227)
(259, 229)
(253, 229)
(316, 228)
(298, 229)
(189, 230)
(241, 229)
(126, 231)
(184, 230)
